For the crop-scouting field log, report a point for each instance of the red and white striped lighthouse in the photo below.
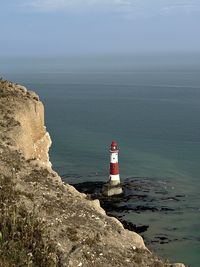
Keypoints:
(114, 165)
(113, 187)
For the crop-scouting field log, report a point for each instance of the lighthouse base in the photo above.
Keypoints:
(111, 190)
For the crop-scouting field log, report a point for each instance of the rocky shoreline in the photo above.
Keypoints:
(137, 198)
(43, 221)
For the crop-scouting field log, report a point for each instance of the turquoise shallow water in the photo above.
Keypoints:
(154, 116)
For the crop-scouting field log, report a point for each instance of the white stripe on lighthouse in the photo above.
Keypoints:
(113, 157)
(115, 177)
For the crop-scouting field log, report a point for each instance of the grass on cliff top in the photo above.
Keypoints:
(23, 238)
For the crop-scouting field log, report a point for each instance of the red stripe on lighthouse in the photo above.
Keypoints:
(114, 168)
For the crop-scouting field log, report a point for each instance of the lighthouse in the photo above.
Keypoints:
(114, 165)
(113, 187)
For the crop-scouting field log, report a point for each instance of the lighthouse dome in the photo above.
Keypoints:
(114, 146)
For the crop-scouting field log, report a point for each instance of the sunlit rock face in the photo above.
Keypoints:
(27, 129)
(31, 135)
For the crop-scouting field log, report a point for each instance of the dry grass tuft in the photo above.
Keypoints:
(23, 238)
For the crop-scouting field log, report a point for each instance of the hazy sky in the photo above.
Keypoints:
(63, 27)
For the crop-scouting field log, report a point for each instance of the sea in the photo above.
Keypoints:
(149, 104)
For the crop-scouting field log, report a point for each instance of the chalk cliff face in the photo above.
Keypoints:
(79, 228)
(28, 132)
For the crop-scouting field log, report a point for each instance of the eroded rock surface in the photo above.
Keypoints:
(78, 227)
(23, 122)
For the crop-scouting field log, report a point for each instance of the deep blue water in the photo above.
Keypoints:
(153, 113)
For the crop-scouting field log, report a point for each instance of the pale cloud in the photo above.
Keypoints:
(127, 8)
(53, 5)
(184, 8)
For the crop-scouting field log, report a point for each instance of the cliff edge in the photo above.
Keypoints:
(44, 222)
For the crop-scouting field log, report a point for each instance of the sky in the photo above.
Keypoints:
(73, 27)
